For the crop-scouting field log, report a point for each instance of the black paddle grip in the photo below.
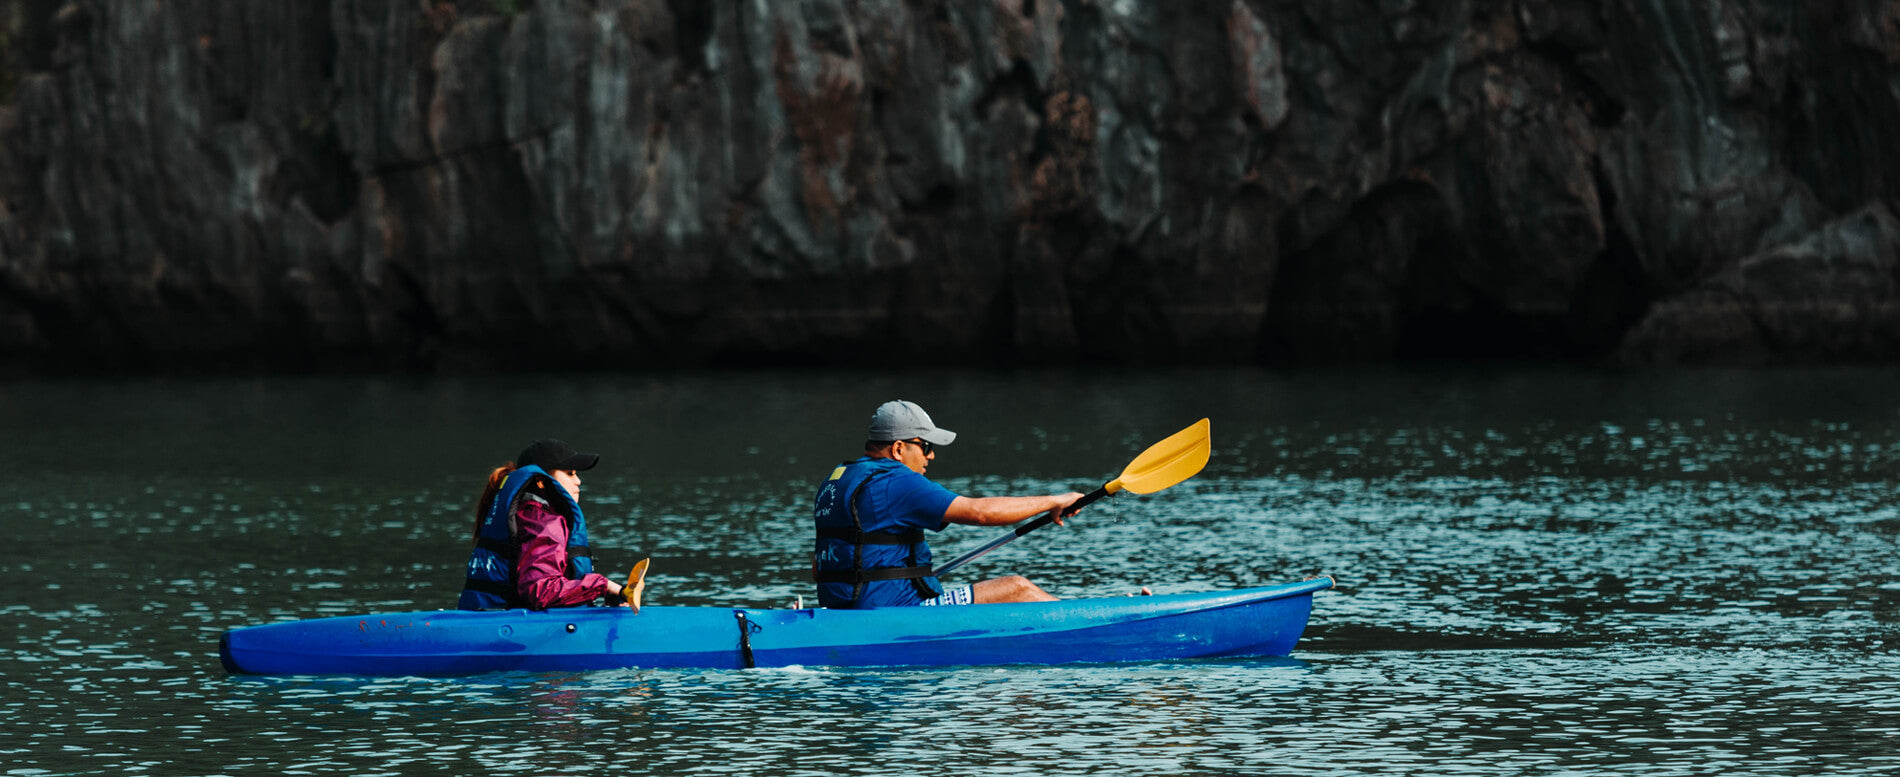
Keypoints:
(1076, 507)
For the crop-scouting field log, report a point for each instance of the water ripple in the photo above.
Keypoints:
(1538, 573)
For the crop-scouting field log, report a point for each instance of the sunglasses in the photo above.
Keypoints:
(922, 445)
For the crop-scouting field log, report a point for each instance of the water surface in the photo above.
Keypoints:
(1540, 571)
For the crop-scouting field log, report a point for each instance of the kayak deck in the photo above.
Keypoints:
(1264, 621)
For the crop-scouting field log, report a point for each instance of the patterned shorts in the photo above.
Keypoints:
(961, 594)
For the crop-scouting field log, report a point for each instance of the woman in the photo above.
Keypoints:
(530, 537)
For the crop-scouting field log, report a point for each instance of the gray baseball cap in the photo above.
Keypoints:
(901, 420)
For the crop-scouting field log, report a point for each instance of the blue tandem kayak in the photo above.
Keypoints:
(1247, 622)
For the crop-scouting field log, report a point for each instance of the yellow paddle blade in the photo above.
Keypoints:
(636, 584)
(1166, 463)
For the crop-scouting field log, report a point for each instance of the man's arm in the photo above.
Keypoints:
(1004, 510)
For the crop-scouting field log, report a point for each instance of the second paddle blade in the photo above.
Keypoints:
(636, 584)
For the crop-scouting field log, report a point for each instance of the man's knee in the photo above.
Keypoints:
(1009, 588)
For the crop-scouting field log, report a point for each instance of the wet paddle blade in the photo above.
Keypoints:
(636, 584)
(1177, 458)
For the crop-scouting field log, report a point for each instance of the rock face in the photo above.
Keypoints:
(486, 184)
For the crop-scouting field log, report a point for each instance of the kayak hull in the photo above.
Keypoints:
(1248, 622)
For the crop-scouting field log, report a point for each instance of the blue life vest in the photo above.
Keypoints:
(491, 565)
(847, 535)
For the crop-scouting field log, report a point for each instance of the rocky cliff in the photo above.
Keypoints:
(476, 184)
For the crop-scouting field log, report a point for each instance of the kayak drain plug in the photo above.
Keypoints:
(570, 628)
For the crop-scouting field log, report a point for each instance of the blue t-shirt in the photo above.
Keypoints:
(897, 500)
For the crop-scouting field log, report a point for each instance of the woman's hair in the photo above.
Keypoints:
(537, 485)
(495, 479)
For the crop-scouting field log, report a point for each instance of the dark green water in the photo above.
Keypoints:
(1548, 572)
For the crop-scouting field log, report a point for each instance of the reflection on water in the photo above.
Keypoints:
(778, 721)
(1539, 572)
(1667, 711)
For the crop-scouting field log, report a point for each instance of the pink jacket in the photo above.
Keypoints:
(541, 569)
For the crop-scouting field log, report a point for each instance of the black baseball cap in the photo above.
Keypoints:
(551, 454)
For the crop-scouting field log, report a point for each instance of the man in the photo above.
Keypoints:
(872, 512)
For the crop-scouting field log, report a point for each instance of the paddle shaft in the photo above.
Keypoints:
(1021, 529)
(1162, 465)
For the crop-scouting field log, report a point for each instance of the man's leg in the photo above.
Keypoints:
(1011, 588)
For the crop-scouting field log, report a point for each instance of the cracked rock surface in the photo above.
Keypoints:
(480, 184)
